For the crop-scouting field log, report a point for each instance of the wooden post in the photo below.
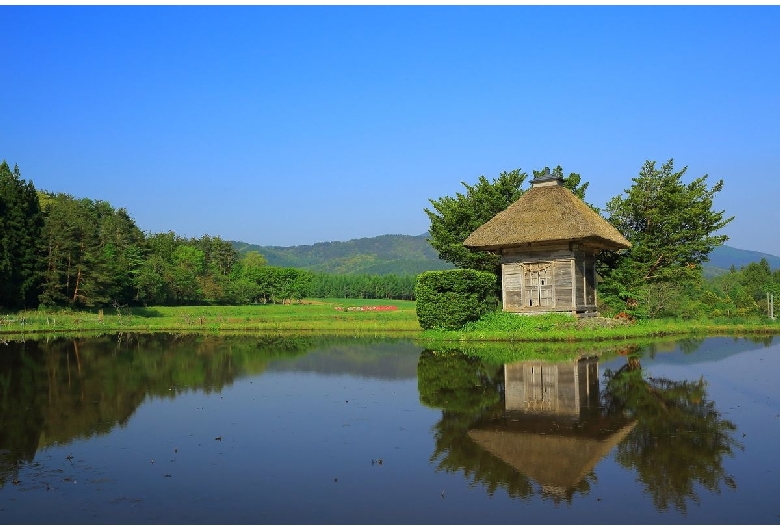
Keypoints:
(573, 285)
(503, 287)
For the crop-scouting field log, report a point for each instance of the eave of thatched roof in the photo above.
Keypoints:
(546, 214)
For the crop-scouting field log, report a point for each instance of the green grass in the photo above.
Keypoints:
(320, 317)
(311, 316)
(566, 328)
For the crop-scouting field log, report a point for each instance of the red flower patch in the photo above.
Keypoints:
(368, 308)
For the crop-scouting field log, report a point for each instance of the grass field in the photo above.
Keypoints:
(328, 316)
(344, 317)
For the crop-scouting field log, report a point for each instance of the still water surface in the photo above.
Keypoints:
(165, 429)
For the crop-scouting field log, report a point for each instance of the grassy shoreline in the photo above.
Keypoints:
(343, 317)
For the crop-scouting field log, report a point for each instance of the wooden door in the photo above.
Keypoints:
(538, 288)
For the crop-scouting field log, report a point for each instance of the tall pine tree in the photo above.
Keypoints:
(21, 222)
(672, 227)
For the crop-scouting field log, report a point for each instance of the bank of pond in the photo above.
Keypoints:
(365, 318)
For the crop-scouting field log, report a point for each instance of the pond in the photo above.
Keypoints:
(165, 429)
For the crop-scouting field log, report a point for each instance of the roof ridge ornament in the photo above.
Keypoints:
(546, 179)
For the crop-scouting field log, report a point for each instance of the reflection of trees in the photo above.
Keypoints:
(764, 340)
(57, 391)
(457, 452)
(21, 412)
(667, 431)
(458, 383)
(689, 345)
(552, 429)
(508, 426)
(679, 440)
(466, 389)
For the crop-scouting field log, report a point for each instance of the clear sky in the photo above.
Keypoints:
(294, 125)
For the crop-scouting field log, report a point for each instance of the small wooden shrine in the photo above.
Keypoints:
(548, 241)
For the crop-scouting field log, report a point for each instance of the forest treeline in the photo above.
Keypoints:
(60, 251)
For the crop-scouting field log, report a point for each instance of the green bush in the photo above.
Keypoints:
(449, 299)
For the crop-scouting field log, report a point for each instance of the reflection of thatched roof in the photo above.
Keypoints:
(546, 213)
(548, 459)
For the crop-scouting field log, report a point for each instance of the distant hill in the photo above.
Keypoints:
(724, 256)
(388, 254)
(411, 255)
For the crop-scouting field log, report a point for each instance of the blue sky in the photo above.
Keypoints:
(292, 125)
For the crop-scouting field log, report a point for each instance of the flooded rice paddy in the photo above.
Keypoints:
(218, 430)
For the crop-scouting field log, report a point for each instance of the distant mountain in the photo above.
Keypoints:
(411, 255)
(388, 254)
(724, 256)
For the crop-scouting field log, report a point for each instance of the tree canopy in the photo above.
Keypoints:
(672, 227)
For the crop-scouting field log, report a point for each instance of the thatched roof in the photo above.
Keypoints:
(547, 212)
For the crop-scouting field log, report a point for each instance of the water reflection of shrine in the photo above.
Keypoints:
(552, 429)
